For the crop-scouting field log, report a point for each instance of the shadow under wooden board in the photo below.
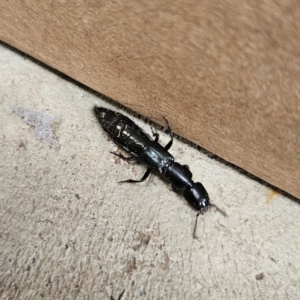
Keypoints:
(226, 75)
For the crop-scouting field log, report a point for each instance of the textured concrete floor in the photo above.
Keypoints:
(68, 230)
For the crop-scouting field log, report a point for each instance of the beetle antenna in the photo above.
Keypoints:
(219, 210)
(201, 212)
(196, 222)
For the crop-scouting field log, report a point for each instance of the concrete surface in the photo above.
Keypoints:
(68, 230)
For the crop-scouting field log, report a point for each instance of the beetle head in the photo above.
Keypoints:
(198, 197)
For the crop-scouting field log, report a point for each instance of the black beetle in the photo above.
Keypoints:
(125, 133)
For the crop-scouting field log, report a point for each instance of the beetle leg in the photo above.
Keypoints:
(130, 158)
(175, 190)
(155, 134)
(135, 181)
(169, 145)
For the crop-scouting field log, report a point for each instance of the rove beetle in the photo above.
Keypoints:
(125, 133)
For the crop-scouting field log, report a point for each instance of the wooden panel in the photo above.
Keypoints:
(226, 75)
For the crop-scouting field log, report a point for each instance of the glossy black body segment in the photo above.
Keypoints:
(133, 139)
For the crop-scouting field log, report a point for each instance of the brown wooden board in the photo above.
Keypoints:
(226, 75)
